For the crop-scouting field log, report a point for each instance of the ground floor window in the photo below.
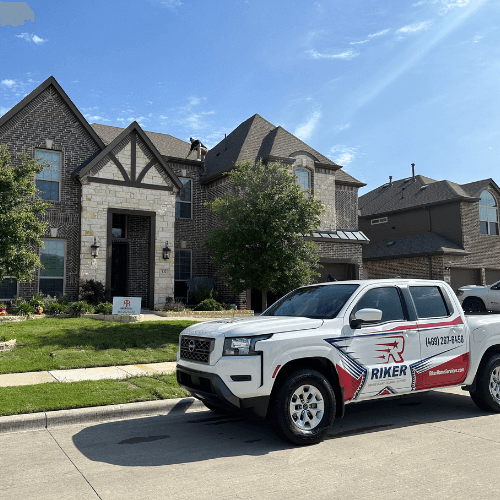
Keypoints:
(52, 256)
(182, 272)
(8, 289)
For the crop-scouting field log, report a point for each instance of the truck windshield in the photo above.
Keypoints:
(319, 302)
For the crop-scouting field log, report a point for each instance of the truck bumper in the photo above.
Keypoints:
(209, 387)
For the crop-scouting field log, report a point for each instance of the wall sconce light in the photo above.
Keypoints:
(53, 232)
(166, 252)
(49, 143)
(94, 248)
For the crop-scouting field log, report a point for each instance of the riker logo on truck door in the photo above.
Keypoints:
(391, 347)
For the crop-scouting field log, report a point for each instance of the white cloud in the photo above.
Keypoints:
(31, 38)
(451, 4)
(345, 126)
(379, 33)
(342, 154)
(130, 119)
(191, 118)
(95, 118)
(358, 43)
(477, 38)
(415, 27)
(305, 130)
(4, 110)
(347, 54)
(163, 117)
(171, 4)
(8, 83)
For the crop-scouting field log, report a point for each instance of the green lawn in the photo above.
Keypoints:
(63, 343)
(60, 396)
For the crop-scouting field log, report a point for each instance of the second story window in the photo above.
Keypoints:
(47, 181)
(488, 214)
(303, 178)
(184, 200)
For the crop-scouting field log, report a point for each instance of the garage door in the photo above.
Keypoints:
(492, 275)
(461, 277)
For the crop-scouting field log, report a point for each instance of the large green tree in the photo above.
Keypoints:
(20, 228)
(264, 216)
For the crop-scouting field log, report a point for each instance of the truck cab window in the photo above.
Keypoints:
(429, 302)
(386, 299)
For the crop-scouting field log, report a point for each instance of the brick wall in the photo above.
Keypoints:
(346, 206)
(47, 116)
(138, 240)
(410, 268)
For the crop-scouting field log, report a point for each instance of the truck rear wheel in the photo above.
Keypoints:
(487, 393)
(304, 409)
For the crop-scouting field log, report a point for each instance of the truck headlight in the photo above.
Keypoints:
(242, 346)
(460, 292)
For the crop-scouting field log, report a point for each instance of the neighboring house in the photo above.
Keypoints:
(136, 195)
(423, 228)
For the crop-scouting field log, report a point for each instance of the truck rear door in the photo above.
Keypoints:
(444, 345)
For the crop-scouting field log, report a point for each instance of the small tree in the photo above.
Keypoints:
(261, 244)
(20, 228)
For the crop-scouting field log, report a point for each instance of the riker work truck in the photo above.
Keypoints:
(327, 345)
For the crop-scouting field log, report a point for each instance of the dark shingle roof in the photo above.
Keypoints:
(257, 138)
(166, 144)
(411, 246)
(409, 193)
(476, 188)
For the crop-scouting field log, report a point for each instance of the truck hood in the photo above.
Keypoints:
(471, 287)
(249, 327)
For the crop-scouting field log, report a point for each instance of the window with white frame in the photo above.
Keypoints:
(8, 288)
(381, 220)
(488, 214)
(52, 256)
(47, 181)
(183, 201)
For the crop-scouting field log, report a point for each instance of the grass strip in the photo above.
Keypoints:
(64, 343)
(66, 396)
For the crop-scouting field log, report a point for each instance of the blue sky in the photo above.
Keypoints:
(373, 85)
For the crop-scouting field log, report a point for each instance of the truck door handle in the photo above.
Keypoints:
(411, 331)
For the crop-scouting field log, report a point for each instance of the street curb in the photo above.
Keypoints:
(45, 420)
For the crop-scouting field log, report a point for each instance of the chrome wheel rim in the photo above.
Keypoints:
(307, 407)
(495, 384)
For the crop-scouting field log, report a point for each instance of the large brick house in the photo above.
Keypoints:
(136, 195)
(423, 228)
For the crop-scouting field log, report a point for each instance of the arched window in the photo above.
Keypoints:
(303, 178)
(488, 214)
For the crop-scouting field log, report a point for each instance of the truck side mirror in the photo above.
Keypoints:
(366, 316)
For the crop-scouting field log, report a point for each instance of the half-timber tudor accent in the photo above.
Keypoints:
(135, 192)
(423, 228)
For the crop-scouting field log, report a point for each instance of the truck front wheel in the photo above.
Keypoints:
(487, 393)
(304, 408)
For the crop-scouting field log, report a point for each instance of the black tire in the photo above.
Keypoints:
(296, 425)
(473, 305)
(216, 409)
(487, 393)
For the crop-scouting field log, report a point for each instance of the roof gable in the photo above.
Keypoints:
(51, 81)
(136, 172)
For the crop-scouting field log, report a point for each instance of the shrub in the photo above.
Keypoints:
(175, 306)
(47, 300)
(209, 305)
(104, 308)
(23, 308)
(80, 307)
(55, 308)
(92, 292)
(63, 299)
(36, 302)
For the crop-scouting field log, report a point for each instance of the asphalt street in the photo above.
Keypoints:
(436, 445)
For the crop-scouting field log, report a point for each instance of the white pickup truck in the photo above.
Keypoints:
(327, 345)
(477, 298)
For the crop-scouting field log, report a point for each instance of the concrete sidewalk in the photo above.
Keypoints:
(99, 373)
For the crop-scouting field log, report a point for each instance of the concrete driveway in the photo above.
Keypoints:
(436, 445)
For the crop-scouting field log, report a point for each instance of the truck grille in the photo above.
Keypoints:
(196, 349)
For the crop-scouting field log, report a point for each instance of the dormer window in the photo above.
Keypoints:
(303, 178)
(47, 181)
(488, 214)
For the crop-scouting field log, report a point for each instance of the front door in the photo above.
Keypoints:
(382, 352)
(119, 269)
